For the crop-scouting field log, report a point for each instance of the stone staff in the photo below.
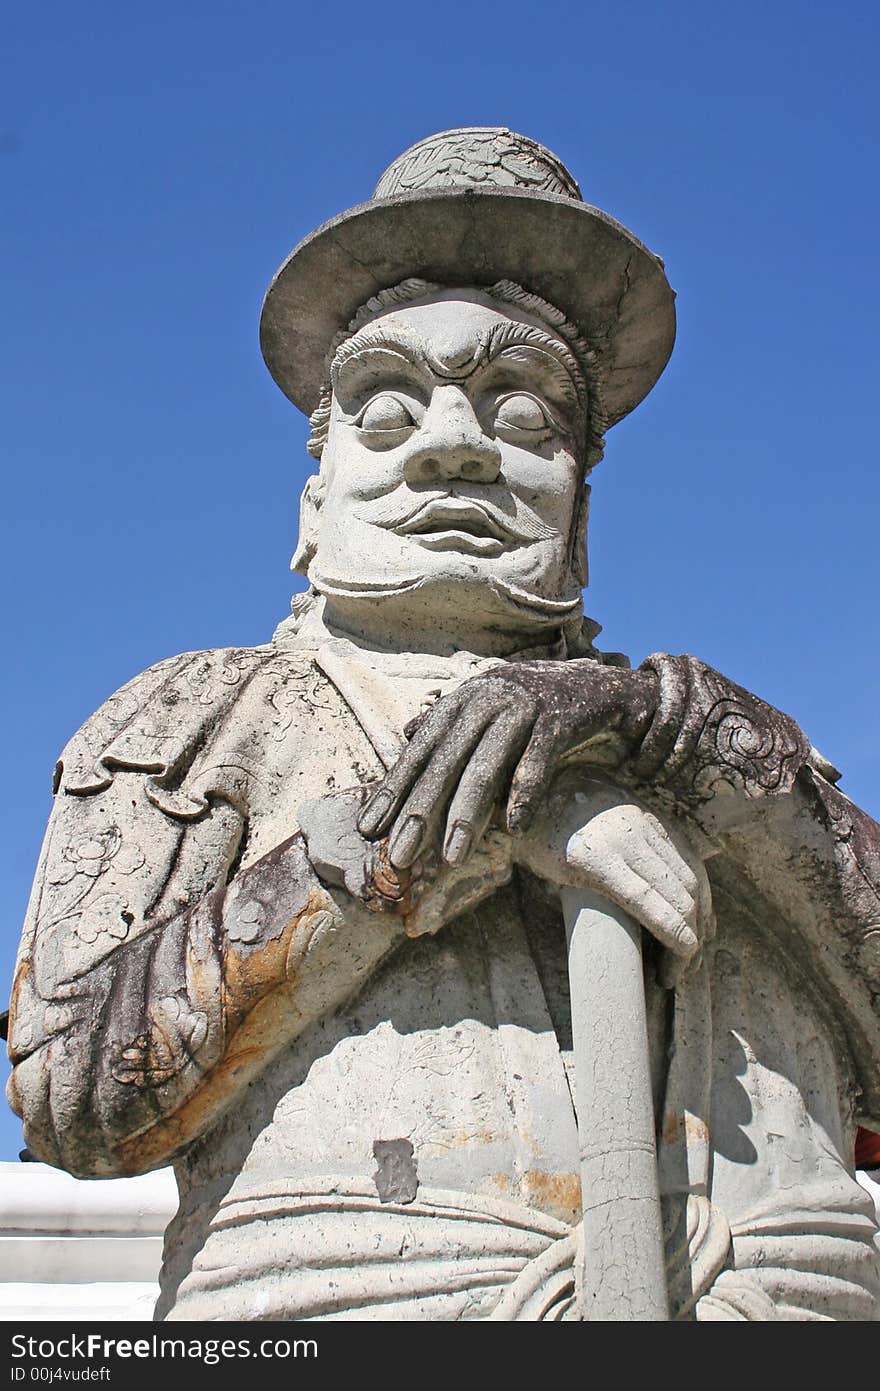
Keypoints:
(624, 1275)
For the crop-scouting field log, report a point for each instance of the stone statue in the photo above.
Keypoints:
(297, 924)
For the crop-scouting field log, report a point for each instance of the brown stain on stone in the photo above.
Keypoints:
(255, 1040)
(22, 971)
(391, 889)
(686, 1127)
(457, 1139)
(248, 975)
(559, 1195)
(256, 991)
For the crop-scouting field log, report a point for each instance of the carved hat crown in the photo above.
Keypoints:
(474, 206)
(477, 156)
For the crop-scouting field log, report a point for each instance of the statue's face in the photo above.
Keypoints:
(451, 453)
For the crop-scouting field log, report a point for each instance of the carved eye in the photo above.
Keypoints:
(522, 413)
(385, 413)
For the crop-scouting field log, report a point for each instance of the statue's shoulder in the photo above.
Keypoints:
(153, 720)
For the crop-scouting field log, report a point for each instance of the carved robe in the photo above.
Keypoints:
(367, 1125)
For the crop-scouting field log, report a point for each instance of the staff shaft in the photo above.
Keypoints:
(623, 1235)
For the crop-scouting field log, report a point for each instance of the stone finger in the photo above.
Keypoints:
(379, 809)
(707, 908)
(417, 820)
(649, 908)
(665, 878)
(665, 847)
(482, 783)
(533, 776)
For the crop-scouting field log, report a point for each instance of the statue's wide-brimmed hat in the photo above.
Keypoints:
(472, 207)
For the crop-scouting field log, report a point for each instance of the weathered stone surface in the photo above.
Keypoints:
(335, 924)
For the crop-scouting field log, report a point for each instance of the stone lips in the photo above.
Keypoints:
(573, 255)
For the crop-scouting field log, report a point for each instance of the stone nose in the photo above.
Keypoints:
(451, 443)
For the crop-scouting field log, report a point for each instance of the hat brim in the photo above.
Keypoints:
(578, 258)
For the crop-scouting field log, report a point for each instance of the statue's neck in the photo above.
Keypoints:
(440, 616)
(374, 625)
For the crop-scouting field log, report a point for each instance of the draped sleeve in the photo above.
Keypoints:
(155, 975)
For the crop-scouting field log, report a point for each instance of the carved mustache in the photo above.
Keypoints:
(402, 507)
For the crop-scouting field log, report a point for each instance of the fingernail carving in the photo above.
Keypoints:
(404, 845)
(375, 811)
(458, 843)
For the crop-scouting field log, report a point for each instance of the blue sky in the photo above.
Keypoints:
(158, 162)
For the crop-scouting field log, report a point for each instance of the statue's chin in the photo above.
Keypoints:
(363, 587)
(459, 596)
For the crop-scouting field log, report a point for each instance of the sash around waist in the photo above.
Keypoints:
(274, 1251)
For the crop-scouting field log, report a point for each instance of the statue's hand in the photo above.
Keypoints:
(501, 735)
(424, 897)
(598, 837)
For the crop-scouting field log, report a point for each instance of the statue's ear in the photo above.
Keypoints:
(309, 521)
(578, 562)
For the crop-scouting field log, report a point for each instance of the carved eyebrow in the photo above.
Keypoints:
(506, 338)
(376, 338)
(502, 340)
